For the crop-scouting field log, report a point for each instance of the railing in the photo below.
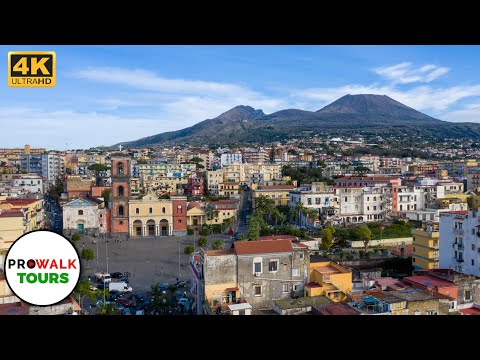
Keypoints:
(458, 260)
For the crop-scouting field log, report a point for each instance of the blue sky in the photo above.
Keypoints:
(108, 94)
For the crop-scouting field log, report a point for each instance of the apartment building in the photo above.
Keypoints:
(426, 246)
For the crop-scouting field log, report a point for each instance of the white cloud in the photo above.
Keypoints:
(406, 72)
(470, 113)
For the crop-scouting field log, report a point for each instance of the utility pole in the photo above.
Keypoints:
(179, 258)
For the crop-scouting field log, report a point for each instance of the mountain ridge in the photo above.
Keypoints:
(368, 113)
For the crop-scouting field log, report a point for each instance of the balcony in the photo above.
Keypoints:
(457, 260)
(458, 231)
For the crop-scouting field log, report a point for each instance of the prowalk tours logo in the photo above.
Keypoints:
(42, 268)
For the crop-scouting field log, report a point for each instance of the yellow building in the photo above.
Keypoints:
(196, 216)
(426, 247)
(329, 279)
(32, 211)
(11, 228)
(150, 216)
(280, 194)
(135, 187)
(229, 189)
(218, 212)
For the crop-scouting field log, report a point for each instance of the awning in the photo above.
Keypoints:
(233, 289)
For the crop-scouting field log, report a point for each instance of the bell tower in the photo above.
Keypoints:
(121, 174)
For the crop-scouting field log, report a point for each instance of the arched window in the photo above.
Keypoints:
(80, 212)
(137, 211)
(179, 209)
(163, 210)
(120, 168)
(120, 210)
(150, 210)
(120, 191)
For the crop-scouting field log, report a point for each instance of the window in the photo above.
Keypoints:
(473, 262)
(101, 225)
(335, 295)
(179, 221)
(163, 210)
(150, 210)
(285, 288)
(346, 199)
(257, 290)
(295, 272)
(80, 212)
(368, 198)
(451, 305)
(414, 259)
(468, 295)
(120, 191)
(120, 168)
(257, 267)
(120, 210)
(368, 207)
(301, 255)
(401, 207)
(431, 312)
(374, 208)
(101, 215)
(137, 211)
(296, 287)
(120, 222)
(317, 201)
(309, 201)
(273, 265)
(473, 247)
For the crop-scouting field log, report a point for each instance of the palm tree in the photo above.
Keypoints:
(212, 212)
(299, 209)
(83, 289)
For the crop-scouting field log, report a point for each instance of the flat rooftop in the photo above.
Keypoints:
(429, 281)
(286, 304)
(412, 295)
(327, 270)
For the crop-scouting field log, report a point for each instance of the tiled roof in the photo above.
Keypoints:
(220, 252)
(470, 311)
(262, 247)
(429, 281)
(458, 212)
(18, 202)
(276, 187)
(276, 237)
(5, 214)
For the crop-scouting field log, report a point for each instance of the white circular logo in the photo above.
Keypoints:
(42, 268)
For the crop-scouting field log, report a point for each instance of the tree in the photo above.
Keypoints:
(299, 210)
(197, 160)
(327, 237)
(75, 237)
(212, 212)
(87, 255)
(188, 249)
(202, 241)
(106, 196)
(254, 227)
(364, 234)
(82, 290)
(218, 245)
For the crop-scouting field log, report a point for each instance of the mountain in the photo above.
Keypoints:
(366, 113)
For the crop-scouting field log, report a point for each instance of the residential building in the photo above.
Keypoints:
(53, 166)
(196, 216)
(229, 158)
(78, 186)
(362, 204)
(85, 216)
(460, 241)
(316, 196)
(426, 246)
(256, 156)
(165, 178)
(121, 174)
(280, 194)
(217, 212)
(30, 182)
(32, 164)
(195, 186)
(255, 272)
(329, 279)
(214, 179)
(32, 210)
(367, 181)
(27, 150)
(229, 189)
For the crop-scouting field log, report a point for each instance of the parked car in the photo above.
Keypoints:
(137, 297)
(140, 312)
(116, 275)
(163, 287)
(125, 302)
(102, 286)
(181, 283)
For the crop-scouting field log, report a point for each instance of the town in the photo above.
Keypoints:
(327, 224)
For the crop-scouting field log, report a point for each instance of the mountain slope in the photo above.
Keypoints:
(367, 113)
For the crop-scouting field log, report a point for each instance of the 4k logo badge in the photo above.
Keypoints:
(31, 69)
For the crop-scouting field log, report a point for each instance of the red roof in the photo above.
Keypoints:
(429, 281)
(470, 311)
(262, 247)
(5, 214)
(15, 202)
(460, 212)
(339, 309)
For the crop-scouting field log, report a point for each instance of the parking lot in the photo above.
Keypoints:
(148, 260)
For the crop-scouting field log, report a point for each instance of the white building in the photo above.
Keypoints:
(53, 166)
(460, 241)
(229, 158)
(317, 196)
(214, 178)
(363, 204)
(84, 216)
(29, 182)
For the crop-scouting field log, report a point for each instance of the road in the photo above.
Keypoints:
(53, 211)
